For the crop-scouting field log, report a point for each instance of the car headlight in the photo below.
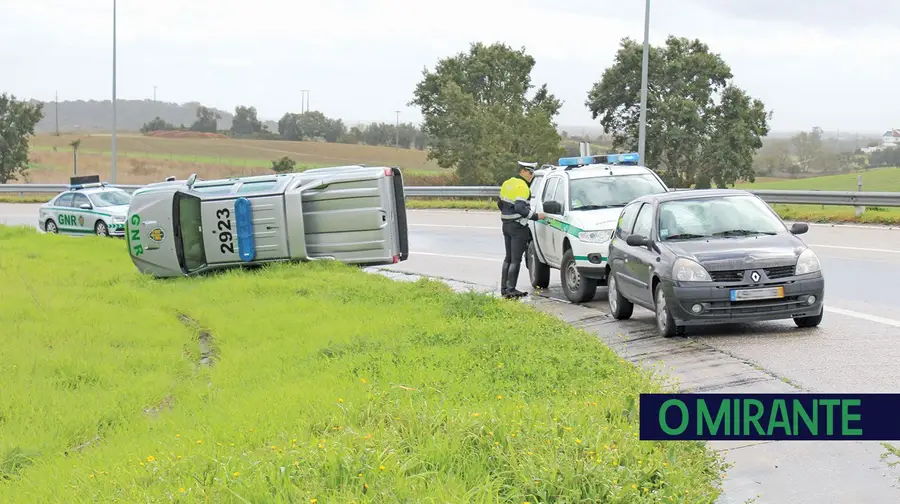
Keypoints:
(808, 262)
(600, 236)
(686, 270)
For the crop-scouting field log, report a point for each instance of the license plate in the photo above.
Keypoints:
(754, 294)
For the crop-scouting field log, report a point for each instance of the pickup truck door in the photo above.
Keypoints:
(554, 234)
(266, 236)
(543, 232)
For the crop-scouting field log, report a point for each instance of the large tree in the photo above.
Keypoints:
(701, 128)
(479, 118)
(17, 122)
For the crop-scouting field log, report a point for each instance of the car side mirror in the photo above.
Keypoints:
(86, 206)
(553, 207)
(637, 241)
(799, 228)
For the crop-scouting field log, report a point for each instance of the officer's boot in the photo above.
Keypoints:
(511, 281)
(504, 277)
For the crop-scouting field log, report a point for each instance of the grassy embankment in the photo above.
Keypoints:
(318, 381)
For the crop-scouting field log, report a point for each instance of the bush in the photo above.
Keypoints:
(283, 165)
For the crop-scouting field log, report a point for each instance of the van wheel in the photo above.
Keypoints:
(50, 226)
(577, 288)
(101, 229)
(537, 271)
(812, 321)
(619, 307)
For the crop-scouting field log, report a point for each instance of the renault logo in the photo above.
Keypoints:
(754, 276)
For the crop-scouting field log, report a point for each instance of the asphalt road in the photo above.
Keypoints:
(855, 349)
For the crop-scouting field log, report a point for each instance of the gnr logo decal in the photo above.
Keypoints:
(157, 234)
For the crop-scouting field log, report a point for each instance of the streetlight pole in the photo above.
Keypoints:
(642, 129)
(397, 131)
(113, 170)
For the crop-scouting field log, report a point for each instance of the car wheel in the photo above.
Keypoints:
(665, 322)
(812, 321)
(619, 307)
(101, 229)
(50, 226)
(577, 288)
(538, 271)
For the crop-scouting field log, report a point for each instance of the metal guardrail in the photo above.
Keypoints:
(844, 198)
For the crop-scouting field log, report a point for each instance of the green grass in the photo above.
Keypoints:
(879, 180)
(326, 383)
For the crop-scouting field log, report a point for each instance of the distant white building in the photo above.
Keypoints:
(891, 138)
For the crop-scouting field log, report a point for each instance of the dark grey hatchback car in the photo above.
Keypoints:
(712, 256)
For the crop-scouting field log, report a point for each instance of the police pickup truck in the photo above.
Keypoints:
(582, 199)
(352, 214)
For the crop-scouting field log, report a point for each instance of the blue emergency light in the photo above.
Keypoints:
(628, 158)
(576, 161)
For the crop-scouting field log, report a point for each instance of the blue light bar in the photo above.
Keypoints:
(576, 161)
(629, 158)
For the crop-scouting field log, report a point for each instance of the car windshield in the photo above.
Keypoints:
(725, 217)
(190, 232)
(110, 198)
(611, 191)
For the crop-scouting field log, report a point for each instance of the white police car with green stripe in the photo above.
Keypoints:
(88, 207)
(582, 199)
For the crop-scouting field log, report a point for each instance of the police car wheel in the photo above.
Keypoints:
(101, 229)
(50, 226)
(577, 288)
(539, 272)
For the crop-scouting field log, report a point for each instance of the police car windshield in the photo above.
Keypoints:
(110, 198)
(611, 191)
(726, 217)
(188, 232)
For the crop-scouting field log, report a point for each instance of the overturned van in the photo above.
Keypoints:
(351, 214)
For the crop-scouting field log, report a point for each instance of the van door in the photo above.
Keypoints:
(264, 236)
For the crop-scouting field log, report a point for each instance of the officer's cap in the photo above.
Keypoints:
(527, 166)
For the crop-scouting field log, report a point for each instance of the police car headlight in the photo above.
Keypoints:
(600, 236)
(808, 262)
(686, 270)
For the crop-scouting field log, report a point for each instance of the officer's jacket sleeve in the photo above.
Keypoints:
(516, 192)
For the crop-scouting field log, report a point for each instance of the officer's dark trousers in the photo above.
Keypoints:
(515, 238)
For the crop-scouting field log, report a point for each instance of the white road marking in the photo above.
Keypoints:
(857, 248)
(494, 228)
(457, 256)
(864, 316)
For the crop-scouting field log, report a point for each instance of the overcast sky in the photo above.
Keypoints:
(828, 63)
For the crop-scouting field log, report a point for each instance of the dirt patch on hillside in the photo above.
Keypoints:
(183, 134)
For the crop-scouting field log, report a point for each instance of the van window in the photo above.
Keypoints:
(213, 189)
(189, 232)
(251, 187)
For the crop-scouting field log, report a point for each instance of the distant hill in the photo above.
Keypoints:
(96, 116)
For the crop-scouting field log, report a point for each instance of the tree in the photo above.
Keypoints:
(283, 165)
(157, 124)
(207, 120)
(17, 122)
(245, 121)
(701, 129)
(478, 117)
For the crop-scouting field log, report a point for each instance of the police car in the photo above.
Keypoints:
(582, 199)
(351, 214)
(88, 207)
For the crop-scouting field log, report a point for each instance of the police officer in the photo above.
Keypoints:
(515, 212)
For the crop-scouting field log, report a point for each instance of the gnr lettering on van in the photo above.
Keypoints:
(134, 235)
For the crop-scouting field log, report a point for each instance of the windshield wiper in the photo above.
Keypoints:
(596, 207)
(742, 232)
(685, 236)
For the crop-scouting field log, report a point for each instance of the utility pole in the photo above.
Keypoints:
(303, 100)
(397, 131)
(642, 130)
(113, 169)
(154, 93)
(57, 113)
